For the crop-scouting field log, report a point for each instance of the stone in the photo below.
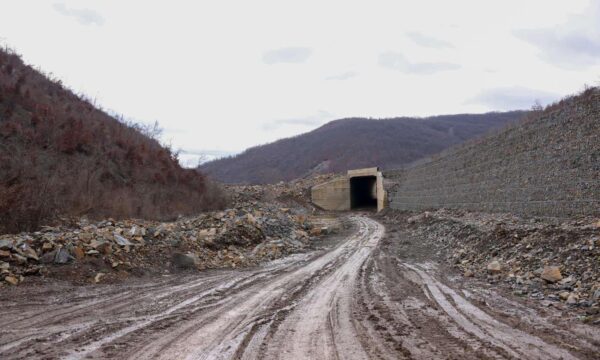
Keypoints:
(137, 231)
(20, 259)
(62, 256)
(86, 236)
(469, 273)
(494, 267)
(185, 261)
(4, 253)
(78, 253)
(98, 277)
(551, 274)
(572, 299)
(120, 240)
(251, 219)
(58, 256)
(596, 295)
(30, 253)
(6, 244)
(97, 243)
(566, 280)
(12, 280)
(105, 248)
(47, 246)
(564, 295)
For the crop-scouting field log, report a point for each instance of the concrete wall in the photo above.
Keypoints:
(335, 194)
(548, 166)
(332, 195)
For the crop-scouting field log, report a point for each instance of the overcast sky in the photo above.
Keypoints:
(221, 76)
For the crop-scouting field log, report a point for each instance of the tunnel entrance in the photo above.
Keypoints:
(363, 192)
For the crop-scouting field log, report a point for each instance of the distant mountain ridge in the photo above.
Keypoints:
(353, 143)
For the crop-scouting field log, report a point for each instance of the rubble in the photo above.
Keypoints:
(264, 223)
(553, 260)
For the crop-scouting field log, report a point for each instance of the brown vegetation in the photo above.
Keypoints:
(354, 143)
(60, 155)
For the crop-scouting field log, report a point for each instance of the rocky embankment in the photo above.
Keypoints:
(263, 223)
(555, 261)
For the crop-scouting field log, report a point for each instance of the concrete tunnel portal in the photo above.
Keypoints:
(359, 189)
(363, 192)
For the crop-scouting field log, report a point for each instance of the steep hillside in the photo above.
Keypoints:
(548, 164)
(59, 155)
(354, 143)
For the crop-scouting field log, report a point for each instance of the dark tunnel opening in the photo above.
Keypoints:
(363, 192)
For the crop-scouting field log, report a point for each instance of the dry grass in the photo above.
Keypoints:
(60, 155)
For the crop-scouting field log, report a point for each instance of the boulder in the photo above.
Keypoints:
(572, 299)
(78, 253)
(551, 274)
(47, 246)
(185, 261)
(596, 295)
(494, 267)
(29, 253)
(98, 277)
(58, 256)
(11, 280)
(564, 295)
(120, 240)
(6, 244)
(315, 232)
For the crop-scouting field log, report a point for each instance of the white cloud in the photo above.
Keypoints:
(512, 98)
(343, 76)
(572, 44)
(396, 61)
(289, 55)
(317, 119)
(428, 41)
(193, 158)
(83, 15)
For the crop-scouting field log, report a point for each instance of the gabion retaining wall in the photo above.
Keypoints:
(548, 165)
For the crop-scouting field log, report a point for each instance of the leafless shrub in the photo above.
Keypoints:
(61, 155)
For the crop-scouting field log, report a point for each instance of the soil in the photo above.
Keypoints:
(369, 291)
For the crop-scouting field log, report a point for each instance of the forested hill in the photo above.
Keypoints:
(353, 143)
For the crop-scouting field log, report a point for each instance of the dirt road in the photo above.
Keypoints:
(356, 299)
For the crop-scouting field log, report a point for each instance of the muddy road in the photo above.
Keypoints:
(355, 299)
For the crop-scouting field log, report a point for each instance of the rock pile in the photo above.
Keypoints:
(257, 228)
(553, 260)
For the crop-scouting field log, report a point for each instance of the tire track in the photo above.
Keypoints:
(356, 300)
